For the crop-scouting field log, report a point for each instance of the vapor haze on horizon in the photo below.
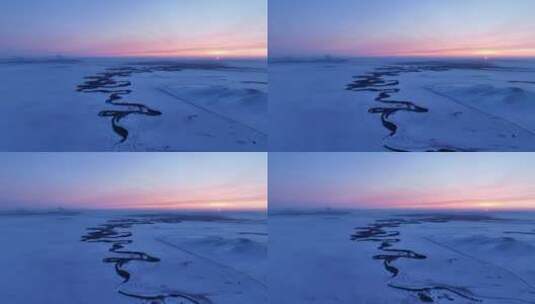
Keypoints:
(192, 181)
(481, 181)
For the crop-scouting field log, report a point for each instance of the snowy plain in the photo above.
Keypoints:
(133, 104)
(385, 257)
(402, 104)
(133, 257)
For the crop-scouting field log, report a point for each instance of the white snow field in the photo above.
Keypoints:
(132, 257)
(133, 105)
(384, 257)
(380, 104)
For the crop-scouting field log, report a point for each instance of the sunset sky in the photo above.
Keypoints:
(183, 28)
(461, 28)
(412, 180)
(211, 181)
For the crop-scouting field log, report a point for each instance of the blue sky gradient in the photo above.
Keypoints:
(133, 180)
(133, 28)
(401, 28)
(411, 180)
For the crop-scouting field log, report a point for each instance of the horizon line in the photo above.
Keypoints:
(333, 56)
(213, 209)
(43, 56)
(483, 209)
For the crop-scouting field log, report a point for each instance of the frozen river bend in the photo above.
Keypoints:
(398, 257)
(122, 257)
(133, 105)
(403, 105)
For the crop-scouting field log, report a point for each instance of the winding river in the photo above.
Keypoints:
(386, 233)
(115, 233)
(376, 81)
(106, 82)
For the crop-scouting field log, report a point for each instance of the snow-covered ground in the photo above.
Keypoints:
(173, 105)
(132, 257)
(430, 105)
(398, 257)
(314, 257)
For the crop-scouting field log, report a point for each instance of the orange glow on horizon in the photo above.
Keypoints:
(495, 45)
(201, 47)
(229, 204)
(201, 53)
(484, 52)
(470, 204)
(493, 197)
(191, 201)
(216, 197)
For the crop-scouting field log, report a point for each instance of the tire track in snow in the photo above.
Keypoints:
(212, 112)
(456, 101)
(208, 260)
(526, 283)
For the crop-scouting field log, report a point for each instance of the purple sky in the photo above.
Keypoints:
(402, 28)
(200, 28)
(133, 180)
(405, 180)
